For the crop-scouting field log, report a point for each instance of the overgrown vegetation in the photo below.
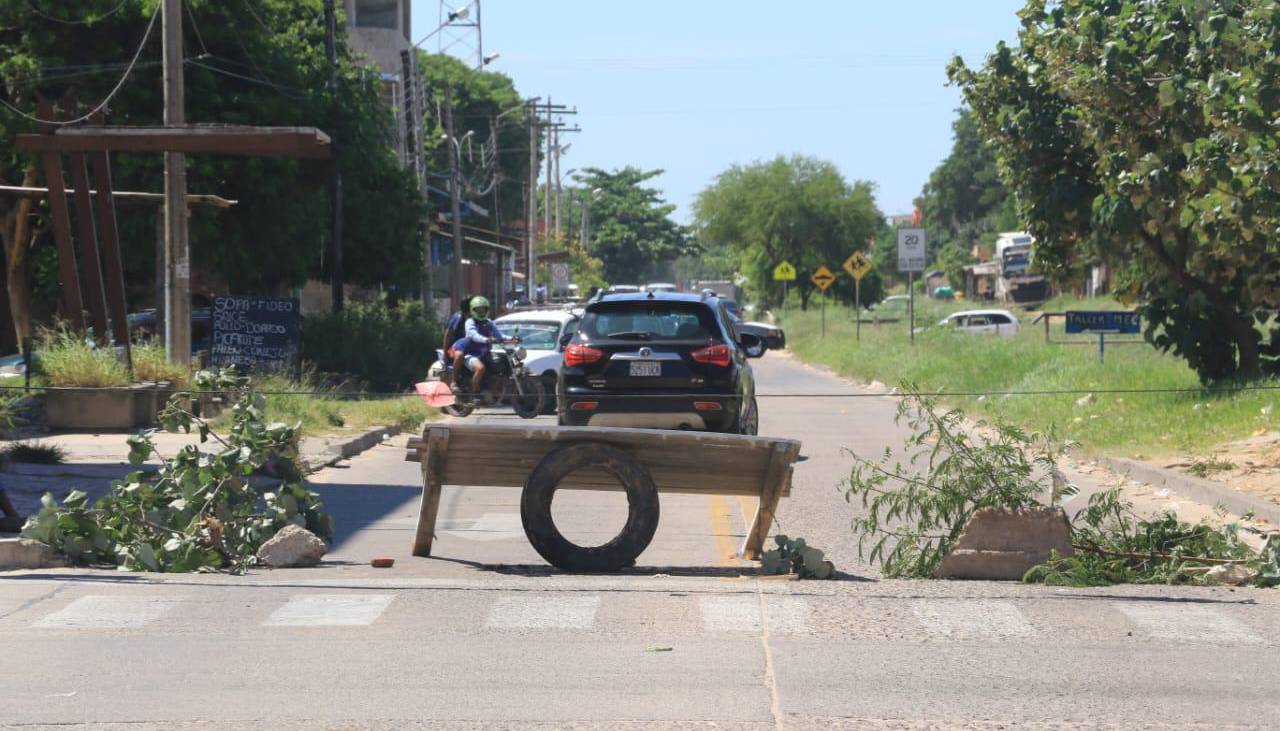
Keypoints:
(918, 502)
(152, 365)
(199, 512)
(68, 359)
(320, 408)
(1164, 422)
(34, 453)
(1115, 546)
(386, 349)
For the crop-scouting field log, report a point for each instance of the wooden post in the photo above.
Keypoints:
(433, 455)
(97, 299)
(113, 277)
(774, 481)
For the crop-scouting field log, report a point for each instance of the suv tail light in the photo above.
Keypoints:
(580, 355)
(715, 355)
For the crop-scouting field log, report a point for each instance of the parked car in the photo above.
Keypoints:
(982, 322)
(622, 289)
(772, 335)
(659, 360)
(543, 333)
(660, 287)
(143, 326)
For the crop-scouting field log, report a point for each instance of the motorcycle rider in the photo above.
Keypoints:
(454, 331)
(472, 348)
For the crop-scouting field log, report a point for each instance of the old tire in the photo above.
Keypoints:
(642, 508)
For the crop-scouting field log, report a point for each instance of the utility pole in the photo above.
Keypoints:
(552, 140)
(531, 204)
(336, 274)
(455, 201)
(177, 253)
(557, 184)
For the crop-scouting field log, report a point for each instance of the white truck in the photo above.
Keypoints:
(1018, 284)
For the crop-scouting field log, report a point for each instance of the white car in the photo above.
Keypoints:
(982, 322)
(660, 287)
(543, 334)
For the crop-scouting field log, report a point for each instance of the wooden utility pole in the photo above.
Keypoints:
(546, 193)
(455, 201)
(177, 251)
(335, 182)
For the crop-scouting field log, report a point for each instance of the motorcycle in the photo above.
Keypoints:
(506, 381)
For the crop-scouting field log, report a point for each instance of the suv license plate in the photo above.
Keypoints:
(646, 368)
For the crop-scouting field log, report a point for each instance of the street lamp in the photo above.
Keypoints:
(453, 16)
(489, 59)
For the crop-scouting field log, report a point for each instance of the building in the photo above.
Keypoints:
(379, 29)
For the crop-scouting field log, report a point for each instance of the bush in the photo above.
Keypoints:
(68, 359)
(387, 349)
(34, 453)
(150, 363)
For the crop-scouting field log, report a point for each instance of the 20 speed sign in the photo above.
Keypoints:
(911, 251)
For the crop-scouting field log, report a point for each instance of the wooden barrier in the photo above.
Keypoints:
(690, 462)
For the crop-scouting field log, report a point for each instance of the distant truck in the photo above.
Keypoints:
(1017, 283)
(722, 287)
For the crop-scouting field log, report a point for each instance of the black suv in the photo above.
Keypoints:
(659, 360)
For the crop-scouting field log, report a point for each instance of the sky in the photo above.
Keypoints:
(694, 87)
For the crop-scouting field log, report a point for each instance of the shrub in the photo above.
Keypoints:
(68, 359)
(388, 349)
(35, 453)
(150, 363)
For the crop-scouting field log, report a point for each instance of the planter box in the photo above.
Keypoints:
(87, 408)
(149, 398)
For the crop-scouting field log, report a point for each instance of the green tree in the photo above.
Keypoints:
(1142, 133)
(486, 105)
(964, 193)
(260, 63)
(631, 227)
(798, 209)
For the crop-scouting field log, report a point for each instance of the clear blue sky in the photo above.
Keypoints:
(693, 87)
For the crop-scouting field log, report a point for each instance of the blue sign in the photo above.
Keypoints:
(1102, 322)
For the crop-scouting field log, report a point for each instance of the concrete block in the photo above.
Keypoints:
(21, 553)
(1000, 545)
(85, 408)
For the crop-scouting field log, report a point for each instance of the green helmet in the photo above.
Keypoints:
(478, 304)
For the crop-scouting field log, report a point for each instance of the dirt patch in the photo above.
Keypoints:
(1250, 465)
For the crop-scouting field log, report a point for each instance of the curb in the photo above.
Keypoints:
(21, 553)
(1204, 492)
(339, 451)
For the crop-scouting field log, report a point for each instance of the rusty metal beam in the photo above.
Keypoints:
(299, 142)
(113, 276)
(73, 307)
(96, 297)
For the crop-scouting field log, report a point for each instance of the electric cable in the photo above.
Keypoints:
(46, 16)
(103, 104)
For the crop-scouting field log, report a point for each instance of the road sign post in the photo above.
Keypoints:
(1102, 323)
(786, 274)
(911, 259)
(823, 278)
(857, 265)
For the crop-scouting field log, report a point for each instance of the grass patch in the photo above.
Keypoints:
(34, 453)
(323, 410)
(67, 359)
(151, 364)
(1118, 424)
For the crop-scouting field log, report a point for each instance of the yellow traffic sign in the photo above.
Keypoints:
(784, 272)
(857, 265)
(823, 277)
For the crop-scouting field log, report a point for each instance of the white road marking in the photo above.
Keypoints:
(741, 613)
(490, 527)
(1189, 623)
(330, 610)
(97, 611)
(969, 619)
(536, 611)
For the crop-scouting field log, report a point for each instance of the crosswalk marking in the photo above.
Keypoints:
(543, 611)
(330, 610)
(1174, 620)
(107, 612)
(965, 619)
(741, 613)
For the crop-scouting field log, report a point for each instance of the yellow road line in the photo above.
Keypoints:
(722, 529)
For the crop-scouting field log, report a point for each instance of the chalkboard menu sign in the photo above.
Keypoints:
(256, 333)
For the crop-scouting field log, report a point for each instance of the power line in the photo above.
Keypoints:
(286, 91)
(119, 85)
(64, 21)
(195, 27)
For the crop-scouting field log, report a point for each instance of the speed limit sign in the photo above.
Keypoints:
(911, 251)
(560, 275)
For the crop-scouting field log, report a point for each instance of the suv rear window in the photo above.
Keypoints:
(653, 320)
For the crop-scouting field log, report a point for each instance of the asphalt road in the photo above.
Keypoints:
(484, 635)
